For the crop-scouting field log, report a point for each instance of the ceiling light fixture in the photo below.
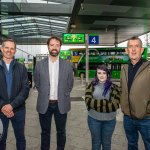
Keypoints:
(73, 26)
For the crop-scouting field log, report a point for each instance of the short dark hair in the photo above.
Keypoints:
(8, 40)
(135, 38)
(56, 38)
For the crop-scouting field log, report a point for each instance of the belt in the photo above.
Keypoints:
(53, 101)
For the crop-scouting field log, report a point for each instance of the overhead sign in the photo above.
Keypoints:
(75, 53)
(73, 38)
(93, 39)
(75, 59)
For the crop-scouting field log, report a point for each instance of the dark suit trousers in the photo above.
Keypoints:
(45, 122)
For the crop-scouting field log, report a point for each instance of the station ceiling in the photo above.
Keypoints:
(33, 21)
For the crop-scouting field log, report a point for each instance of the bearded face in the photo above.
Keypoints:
(54, 52)
(54, 48)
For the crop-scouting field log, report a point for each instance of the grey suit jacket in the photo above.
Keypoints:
(42, 83)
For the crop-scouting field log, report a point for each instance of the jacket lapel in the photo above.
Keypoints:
(126, 72)
(143, 66)
(46, 69)
(61, 69)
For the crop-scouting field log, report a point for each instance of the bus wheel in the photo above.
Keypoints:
(82, 75)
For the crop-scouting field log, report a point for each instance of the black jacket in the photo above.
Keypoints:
(19, 90)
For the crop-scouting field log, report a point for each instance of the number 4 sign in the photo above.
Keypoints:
(93, 39)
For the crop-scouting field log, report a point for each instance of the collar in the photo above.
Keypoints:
(57, 60)
(137, 64)
(11, 63)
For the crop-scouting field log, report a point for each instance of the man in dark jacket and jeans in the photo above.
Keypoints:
(135, 95)
(14, 90)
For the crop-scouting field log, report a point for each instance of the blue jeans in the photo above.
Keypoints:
(45, 122)
(132, 127)
(18, 124)
(101, 133)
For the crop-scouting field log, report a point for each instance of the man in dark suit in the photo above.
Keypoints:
(53, 79)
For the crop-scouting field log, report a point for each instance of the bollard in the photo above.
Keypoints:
(82, 78)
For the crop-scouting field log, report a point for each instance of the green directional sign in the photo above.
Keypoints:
(78, 38)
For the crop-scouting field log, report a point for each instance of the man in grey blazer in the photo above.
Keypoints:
(53, 79)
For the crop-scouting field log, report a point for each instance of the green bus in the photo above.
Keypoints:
(114, 58)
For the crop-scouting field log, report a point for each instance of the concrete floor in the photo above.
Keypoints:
(78, 135)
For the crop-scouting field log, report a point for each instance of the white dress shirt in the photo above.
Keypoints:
(53, 76)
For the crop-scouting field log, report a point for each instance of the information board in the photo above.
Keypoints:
(78, 38)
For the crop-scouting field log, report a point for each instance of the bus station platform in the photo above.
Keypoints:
(78, 134)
